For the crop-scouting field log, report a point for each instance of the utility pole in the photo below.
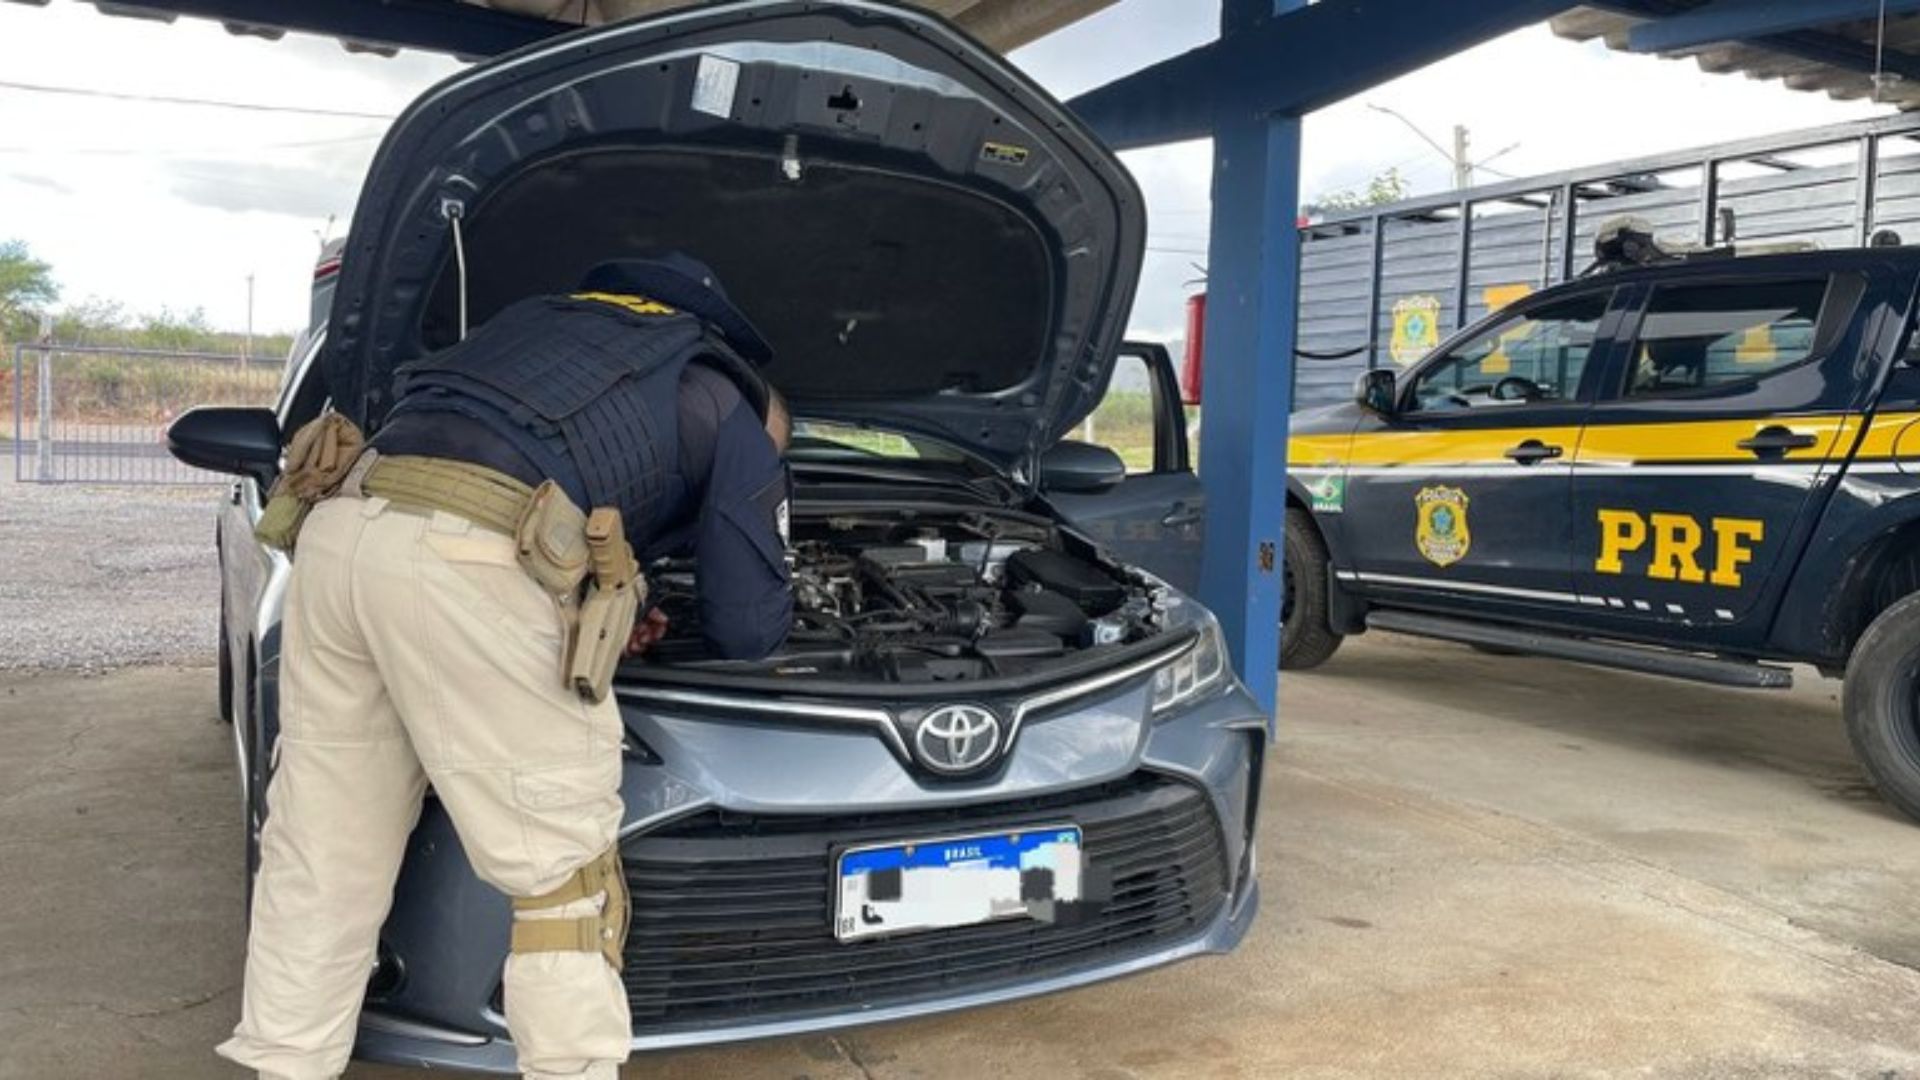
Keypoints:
(246, 351)
(1459, 157)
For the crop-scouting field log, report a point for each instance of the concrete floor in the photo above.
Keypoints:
(1473, 866)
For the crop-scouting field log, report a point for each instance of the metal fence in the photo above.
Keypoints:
(99, 414)
(1380, 287)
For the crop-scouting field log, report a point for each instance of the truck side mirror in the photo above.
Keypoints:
(1373, 390)
(238, 441)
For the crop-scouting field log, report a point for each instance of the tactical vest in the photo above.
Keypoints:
(587, 390)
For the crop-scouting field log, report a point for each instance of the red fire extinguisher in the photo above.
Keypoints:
(1193, 368)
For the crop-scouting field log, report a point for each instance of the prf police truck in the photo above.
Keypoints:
(1700, 468)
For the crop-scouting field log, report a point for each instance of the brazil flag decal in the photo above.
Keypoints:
(1328, 494)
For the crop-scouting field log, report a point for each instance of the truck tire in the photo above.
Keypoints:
(1881, 700)
(1306, 637)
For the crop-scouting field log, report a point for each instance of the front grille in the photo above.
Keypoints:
(732, 913)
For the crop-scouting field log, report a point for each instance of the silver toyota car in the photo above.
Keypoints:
(993, 664)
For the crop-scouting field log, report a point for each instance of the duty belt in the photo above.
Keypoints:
(484, 496)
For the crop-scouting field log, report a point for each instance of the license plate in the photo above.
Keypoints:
(956, 881)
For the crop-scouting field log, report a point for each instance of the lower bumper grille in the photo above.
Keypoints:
(732, 914)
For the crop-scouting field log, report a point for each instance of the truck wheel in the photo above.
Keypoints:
(1306, 638)
(1882, 704)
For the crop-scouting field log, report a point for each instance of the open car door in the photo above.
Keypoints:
(1147, 507)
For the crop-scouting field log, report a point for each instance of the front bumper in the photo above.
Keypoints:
(729, 850)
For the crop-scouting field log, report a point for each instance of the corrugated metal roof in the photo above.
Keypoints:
(1838, 59)
(1002, 24)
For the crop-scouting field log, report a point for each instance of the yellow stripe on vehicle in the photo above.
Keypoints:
(1883, 436)
(1704, 440)
(1601, 444)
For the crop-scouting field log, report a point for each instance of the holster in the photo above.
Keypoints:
(319, 456)
(613, 599)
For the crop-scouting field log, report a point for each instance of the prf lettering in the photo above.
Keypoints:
(1677, 540)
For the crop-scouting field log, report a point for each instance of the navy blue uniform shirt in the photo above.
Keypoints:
(737, 527)
(731, 516)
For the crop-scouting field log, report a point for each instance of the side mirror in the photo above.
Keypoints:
(1079, 468)
(239, 441)
(1373, 390)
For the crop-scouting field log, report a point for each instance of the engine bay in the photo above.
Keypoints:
(907, 597)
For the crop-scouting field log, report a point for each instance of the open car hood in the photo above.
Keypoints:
(929, 241)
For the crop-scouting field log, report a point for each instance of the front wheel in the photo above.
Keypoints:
(1882, 704)
(224, 664)
(1306, 636)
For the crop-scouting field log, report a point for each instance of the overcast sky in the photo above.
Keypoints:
(167, 205)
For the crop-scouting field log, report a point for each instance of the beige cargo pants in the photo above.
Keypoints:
(417, 651)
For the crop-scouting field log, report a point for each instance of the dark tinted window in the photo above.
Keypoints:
(1538, 356)
(1702, 336)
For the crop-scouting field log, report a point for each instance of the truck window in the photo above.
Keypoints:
(1533, 357)
(1710, 335)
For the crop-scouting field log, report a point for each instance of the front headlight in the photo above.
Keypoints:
(1193, 672)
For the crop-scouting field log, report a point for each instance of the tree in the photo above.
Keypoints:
(93, 321)
(1388, 187)
(182, 330)
(26, 285)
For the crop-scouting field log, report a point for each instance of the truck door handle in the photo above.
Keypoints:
(1181, 516)
(1531, 451)
(1774, 439)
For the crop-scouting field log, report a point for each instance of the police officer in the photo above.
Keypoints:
(424, 645)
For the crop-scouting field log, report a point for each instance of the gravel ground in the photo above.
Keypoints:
(95, 578)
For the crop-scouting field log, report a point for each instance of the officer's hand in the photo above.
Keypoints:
(650, 629)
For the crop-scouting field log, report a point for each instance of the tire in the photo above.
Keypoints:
(1881, 700)
(1306, 637)
(225, 664)
(254, 810)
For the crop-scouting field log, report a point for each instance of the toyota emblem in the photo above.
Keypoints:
(954, 739)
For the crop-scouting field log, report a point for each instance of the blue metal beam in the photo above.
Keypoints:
(1742, 20)
(1294, 63)
(1252, 278)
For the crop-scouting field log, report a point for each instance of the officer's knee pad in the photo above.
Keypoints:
(604, 933)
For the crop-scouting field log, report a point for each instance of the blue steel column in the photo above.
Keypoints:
(1252, 278)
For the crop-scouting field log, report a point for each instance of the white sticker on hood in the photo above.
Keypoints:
(714, 84)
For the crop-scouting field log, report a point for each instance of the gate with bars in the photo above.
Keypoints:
(97, 414)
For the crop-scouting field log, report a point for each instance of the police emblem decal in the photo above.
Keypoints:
(1441, 525)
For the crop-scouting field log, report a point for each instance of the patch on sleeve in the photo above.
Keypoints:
(776, 501)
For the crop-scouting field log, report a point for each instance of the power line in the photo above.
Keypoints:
(163, 99)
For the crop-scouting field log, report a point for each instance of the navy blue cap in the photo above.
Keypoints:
(683, 282)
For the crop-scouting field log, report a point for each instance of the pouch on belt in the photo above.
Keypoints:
(319, 456)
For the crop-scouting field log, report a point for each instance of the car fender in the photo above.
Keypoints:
(1817, 619)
